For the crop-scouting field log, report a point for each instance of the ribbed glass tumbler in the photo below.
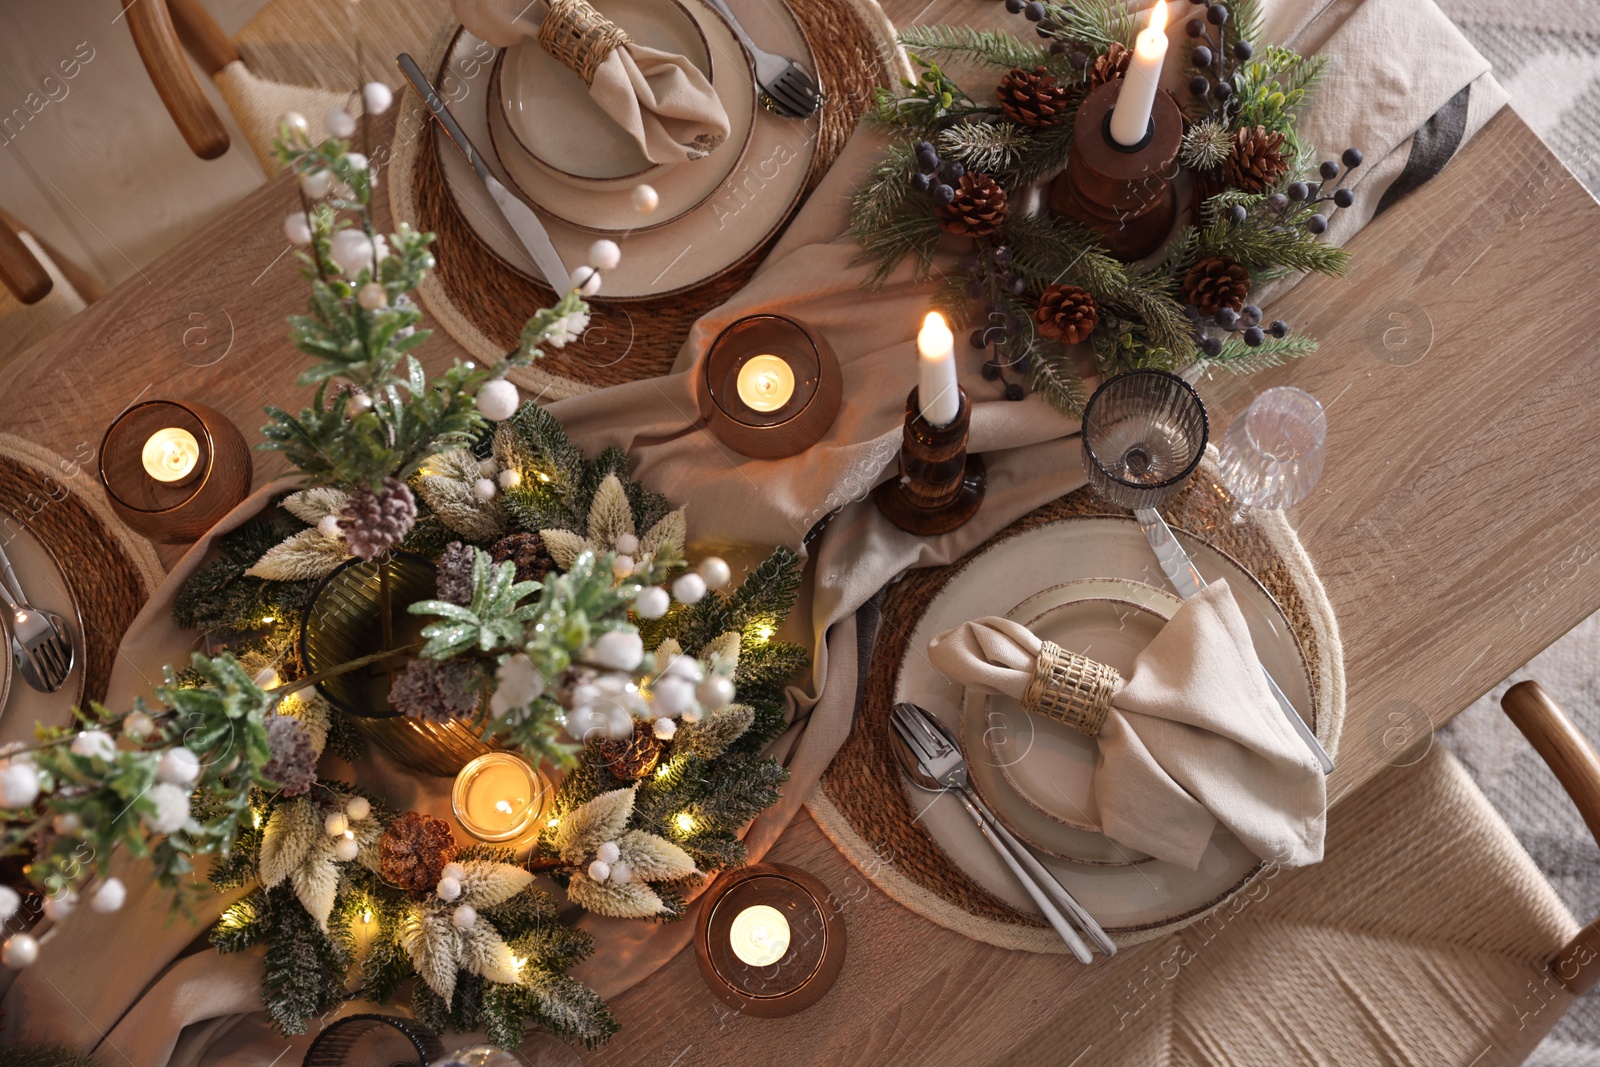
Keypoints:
(1143, 434)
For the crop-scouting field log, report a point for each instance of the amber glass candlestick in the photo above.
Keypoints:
(1124, 194)
(940, 485)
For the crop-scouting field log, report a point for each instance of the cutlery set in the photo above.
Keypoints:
(41, 648)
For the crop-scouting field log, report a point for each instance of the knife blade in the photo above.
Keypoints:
(1187, 580)
(523, 222)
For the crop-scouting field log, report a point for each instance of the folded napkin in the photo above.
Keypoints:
(1191, 739)
(661, 99)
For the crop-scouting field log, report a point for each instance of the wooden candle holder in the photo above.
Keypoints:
(940, 485)
(815, 953)
(1123, 194)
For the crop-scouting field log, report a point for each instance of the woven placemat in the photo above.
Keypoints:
(483, 303)
(861, 804)
(111, 571)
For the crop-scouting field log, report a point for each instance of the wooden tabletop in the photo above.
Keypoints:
(1454, 528)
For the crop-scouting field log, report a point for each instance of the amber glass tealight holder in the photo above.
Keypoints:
(769, 388)
(173, 470)
(500, 797)
(770, 940)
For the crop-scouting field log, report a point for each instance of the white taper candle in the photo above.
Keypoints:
(938, 395)
(1131, 119)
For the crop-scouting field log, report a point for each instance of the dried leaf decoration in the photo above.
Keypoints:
(486, 883)
(711, 736)
(287, 839)
(627, 900)
(311, 506)
(311, 711)
(723, 649)
(610, 518)
(430, 938)
(564, 547)
(294, 846)
(585, 828)
(447, 486)
(610, 515)
(654, 859)
(670, 532)
(307, 554)
(438, 948)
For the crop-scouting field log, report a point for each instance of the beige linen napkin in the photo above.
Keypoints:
(1193, 736)
(661, 99)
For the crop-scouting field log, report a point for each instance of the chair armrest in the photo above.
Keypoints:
(20, 270)
(200, 34)
(1577, 767)
(156, 38)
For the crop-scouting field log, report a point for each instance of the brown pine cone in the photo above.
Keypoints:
(633, 757)
(1067, 314)
(979, 208)
(528, 552)
(414, 850)
(1109, 66)
(1033, 97)
(1257, 160)
(1216, 282)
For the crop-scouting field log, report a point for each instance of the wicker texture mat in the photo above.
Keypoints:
(111, 571)
(483, 303)
(862, 804)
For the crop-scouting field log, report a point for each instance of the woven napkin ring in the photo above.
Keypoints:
(580, 36)
(1071, 688)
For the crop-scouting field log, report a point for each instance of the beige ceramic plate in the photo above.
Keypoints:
(741, 215)
(1036, 772)
(1127, 897)
(551, 117)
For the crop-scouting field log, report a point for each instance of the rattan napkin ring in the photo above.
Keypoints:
(1071, 688)
(580, 37)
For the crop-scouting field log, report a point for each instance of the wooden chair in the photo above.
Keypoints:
(294, 55)
(39, 288)
(1426, 936)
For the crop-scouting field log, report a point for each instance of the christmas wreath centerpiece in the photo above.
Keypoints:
(566, 624)
(1031, 286)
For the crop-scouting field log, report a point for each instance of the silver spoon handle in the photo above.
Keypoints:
(725, 12)
(1040, 898)
(1076, 912)
(10, 576)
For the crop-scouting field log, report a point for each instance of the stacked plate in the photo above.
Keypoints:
(1105, 598)
(555, 148)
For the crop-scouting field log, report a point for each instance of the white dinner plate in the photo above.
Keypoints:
(1123, 897)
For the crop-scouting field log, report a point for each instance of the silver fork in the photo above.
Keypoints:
(942, 763)
(792, 91)
(39, 643)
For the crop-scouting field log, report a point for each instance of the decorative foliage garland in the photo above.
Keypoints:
(1033, 286)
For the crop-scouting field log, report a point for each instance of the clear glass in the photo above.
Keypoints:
(1272, 454)
(1143, 434)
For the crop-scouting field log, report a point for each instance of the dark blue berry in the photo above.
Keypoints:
(1019, 286)
(1002, 255)
(1279, 328)
(1199, 85)
(1211, 346)
(1227, 317)
(1317, 223)
(921, 182)
(1194, 27)
(954, 171)
(1278, 202)
(1242, 50)
(927, 157)
(969, 264)
(1298, 191)
(1201, 57)
(991, 370)
(1343, 197)
(1253, 336)
(1014, 6)
(1238, 214)
(943, 194)
(1223, 90)
(1216, 14)
(1352, 157)
(1014, 391)
(1079, 59)
(1191, 313)
(1057, 48)
(1250, 315)
(1046, 26)
(977, 341)
(1034, 11)
(1329, 169)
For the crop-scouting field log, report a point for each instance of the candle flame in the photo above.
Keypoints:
(503, 806)
(935, 340)
(1158, 17)
(366, 915)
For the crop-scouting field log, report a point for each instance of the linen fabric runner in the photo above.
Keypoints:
(131, 981)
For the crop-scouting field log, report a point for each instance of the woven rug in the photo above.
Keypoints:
(861, 804)
(483, 303)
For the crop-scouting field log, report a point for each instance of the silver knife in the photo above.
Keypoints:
(529, 230)
(1186, 579)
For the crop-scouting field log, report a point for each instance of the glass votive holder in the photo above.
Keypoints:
(770, 387)
(173, 470)
(769, 940)
(500, 797)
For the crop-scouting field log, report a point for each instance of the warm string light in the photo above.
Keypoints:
(684, 822)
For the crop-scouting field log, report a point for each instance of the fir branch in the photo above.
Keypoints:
(988, 47)
(1096, 23)
(303, 971)
(1239, 358)
(992, 147)
(889, 222)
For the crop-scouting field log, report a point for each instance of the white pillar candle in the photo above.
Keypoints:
(938, 395)
(1131, 118)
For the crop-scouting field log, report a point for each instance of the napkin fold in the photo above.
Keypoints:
(661, 99)
(1193, 737)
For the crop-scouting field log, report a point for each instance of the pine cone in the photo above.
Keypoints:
(453, 580)
(1257, 162)
(373, 523)
(294, 758)
(1067, 314)
(528, 552)
(436, 690)
(979, 208)
(634, 757)
(1033, 97)
(414, 850)
(1109, 66)
(1216, 282)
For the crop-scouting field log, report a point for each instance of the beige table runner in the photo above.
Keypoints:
(1399, 66)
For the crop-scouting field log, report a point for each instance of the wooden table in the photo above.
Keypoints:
(1454, 528)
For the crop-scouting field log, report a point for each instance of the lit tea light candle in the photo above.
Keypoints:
(498, 797)
(938, 395)
(171, 455)
(765, 383)
(1130, 121)
(759, 935)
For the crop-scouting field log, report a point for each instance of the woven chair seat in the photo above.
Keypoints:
(1420, 940)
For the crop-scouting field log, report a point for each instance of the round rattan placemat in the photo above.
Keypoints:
(112, 572)
(483, 303)
(862, 806)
